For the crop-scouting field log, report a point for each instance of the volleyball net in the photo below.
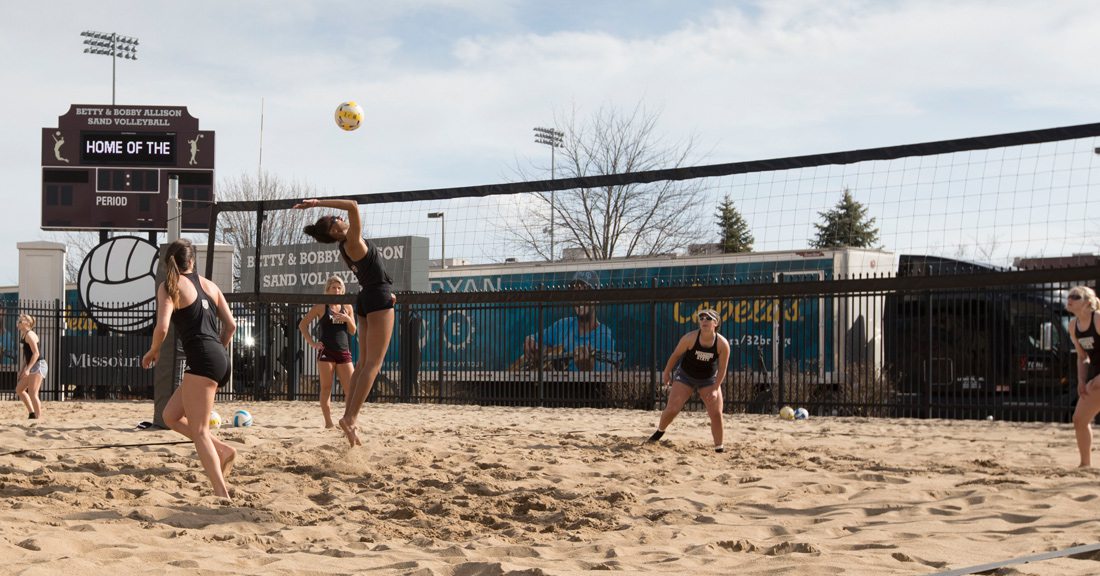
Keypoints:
(996, 200)
(840, 329)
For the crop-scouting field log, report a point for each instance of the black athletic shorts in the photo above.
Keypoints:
(697, 383)
(207, 358)
(373, 299)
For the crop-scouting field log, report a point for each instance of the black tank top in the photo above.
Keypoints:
(700, 362)
(334, 336)
(26, 350)
(1089, 340)
(198, 320)
(368, 269)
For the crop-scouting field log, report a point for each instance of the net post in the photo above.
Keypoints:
(292, 366)
(173, 208)
(259, 237)
(653, 358)
(210, 239)
(164, 372)
(56, 384)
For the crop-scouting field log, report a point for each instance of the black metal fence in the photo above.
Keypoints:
(967, 346)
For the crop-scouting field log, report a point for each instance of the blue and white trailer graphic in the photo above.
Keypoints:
(816, 331)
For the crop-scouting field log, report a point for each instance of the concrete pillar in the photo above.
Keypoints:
(41, 271)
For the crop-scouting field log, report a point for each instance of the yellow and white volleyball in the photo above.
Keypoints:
(215, 419)
(242, 418)
(786, 413)
(349, 116)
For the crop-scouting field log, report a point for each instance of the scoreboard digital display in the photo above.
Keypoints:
(128, 148)
(109, 167)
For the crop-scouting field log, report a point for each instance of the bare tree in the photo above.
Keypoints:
(620, 220)
(78, 245)
(987, 249)
(238, 229)
(982, 250)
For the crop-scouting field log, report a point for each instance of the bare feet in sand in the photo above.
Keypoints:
(227, 461)
(351, 433)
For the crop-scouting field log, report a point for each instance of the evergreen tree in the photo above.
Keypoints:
(734, 230)
(846, 225)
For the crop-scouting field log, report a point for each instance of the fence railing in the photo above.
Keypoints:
(958, 350)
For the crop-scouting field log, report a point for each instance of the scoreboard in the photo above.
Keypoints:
(107, 168)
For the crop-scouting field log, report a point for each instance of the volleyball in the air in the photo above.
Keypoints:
(801, 414)
(786, 413)
(215, 419)
(349, 116)
(242, 418)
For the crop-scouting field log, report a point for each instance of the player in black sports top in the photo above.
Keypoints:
(373, 306)
(337, 323)
(1083, 304)
(34, 368)
(699, 363)
(195, 305)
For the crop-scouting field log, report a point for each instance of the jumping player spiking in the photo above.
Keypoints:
(373, 306)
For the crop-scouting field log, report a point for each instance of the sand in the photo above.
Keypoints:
(466, 490)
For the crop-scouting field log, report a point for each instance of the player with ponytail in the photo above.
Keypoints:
(34, 368)
(195, 307)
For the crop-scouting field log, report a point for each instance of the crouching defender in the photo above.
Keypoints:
(698, 363)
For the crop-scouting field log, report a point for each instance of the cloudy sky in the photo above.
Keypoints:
(451, 88)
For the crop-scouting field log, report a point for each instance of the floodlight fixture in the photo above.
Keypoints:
(110, 44)
(552, 138)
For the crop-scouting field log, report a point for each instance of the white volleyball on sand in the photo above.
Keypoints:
(242, 418)
(801, 414)
(215, 419)
(786, 413)
(349, 116)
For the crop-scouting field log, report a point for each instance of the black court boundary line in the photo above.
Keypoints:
(1021, 560)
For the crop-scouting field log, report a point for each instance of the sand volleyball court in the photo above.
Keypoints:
(465, 490)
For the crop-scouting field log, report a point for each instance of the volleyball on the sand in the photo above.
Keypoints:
(215, 419)
(242, 418)
(349, 116)
(786, 413)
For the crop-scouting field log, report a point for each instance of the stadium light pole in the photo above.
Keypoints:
(443, 235)
(110, 44)
(552, 138)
